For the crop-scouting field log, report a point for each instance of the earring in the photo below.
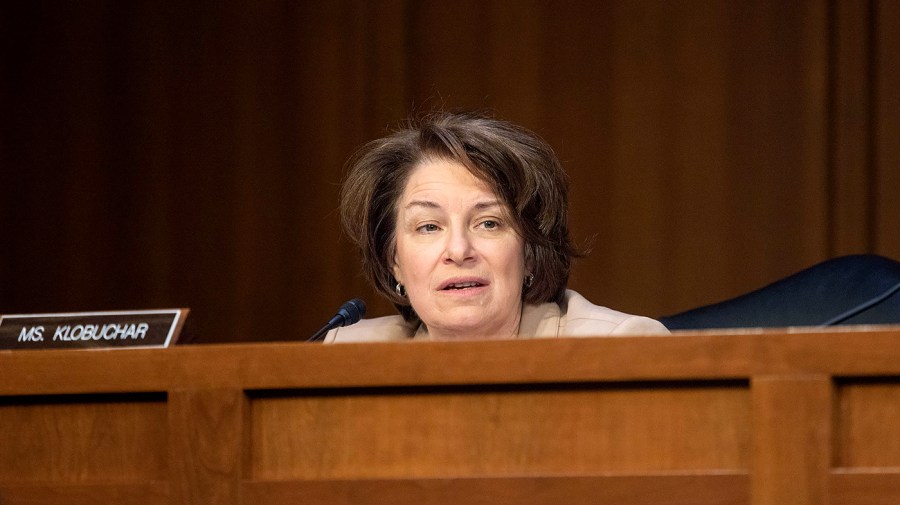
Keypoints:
(529, 280)
(401, 291)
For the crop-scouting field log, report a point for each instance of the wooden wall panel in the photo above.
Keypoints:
(852, 143)
(190, 154)
(672, 181)
(886, 111)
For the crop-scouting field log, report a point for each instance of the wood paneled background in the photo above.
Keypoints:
(159, 154)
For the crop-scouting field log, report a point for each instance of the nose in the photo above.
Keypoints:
(459, 248)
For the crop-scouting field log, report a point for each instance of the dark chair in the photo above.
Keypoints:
(858, 289)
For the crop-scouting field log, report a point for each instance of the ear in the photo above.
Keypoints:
(529, 258)
(397, 272)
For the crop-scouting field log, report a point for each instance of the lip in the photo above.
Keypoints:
(481, 281)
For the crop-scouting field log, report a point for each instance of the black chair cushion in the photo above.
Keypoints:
(858, 289)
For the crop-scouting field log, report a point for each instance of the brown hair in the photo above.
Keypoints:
(520, 167)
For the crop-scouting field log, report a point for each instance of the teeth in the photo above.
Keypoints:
(462, 285)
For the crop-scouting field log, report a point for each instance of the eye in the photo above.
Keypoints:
(427, 228)
(490, 224)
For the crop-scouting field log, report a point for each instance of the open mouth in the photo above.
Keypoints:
(458, 286)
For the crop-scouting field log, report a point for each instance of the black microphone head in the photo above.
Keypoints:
(352, 311)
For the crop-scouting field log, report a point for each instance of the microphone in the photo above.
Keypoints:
(349, 313)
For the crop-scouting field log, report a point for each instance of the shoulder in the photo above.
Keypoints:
(379, 329)
(579, 317)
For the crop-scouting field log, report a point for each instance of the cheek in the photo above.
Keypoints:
(410, 262)
(513, 260)
(517, 254)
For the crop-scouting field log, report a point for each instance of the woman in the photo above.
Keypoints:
(462, 224)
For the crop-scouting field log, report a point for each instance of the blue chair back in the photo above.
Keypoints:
(858, 289)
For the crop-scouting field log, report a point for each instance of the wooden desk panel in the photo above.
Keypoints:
(867, 424)
(757, 418)
(493, 431)
(83, 438)
(659, 489)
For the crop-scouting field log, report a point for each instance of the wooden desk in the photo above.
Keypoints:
(767, 418)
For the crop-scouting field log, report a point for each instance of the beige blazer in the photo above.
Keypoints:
(576, 317)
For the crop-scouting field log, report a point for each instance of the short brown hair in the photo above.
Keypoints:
(516, 164)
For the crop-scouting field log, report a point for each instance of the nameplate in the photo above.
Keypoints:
(92, 330)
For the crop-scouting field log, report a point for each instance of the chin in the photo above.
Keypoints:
(462, 323)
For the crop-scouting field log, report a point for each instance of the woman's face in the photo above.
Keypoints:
(458, 255)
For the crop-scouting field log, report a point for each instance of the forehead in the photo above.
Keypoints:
(439, 177)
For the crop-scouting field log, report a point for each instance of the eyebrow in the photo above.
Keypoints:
(433, 205)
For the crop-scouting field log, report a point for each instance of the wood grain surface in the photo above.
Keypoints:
(763, 417)
(166, 153)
